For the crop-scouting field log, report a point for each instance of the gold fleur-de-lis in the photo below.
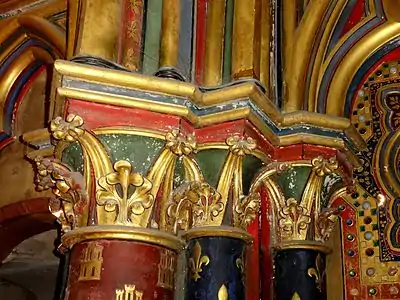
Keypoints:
(196, 262)
(318, 272)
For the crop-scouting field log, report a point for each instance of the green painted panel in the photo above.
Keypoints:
(179, 174)
(140, 151)
(211, 163)
(294, 181)
(226, 73)
(251, 165)
(152, 36)
(72, 156)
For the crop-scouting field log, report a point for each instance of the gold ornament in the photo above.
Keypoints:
(197, 261)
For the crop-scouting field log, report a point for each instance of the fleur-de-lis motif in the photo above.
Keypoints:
(180, 144)
(69, 129)
(318, 272)
(322, 166)
(241, 145)
(294, 220)
(197, 261)
(124, 192)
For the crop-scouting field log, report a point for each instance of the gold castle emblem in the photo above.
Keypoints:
(91, 262)
(129, 293)
(166, 269)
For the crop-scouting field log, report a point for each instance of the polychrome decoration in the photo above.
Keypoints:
(230, 150)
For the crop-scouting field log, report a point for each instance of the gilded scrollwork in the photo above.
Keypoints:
(197, 261)
(125, 193)
(194, 204)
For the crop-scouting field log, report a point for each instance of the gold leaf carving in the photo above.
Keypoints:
(241, 145)
(294, 220)
(124, 193)
(197, 261)
(180, 144)
(68, 186)
(246, 210)
(326, 223)
(322, 166)
(194, 204)
(223, 293)
(68, 130)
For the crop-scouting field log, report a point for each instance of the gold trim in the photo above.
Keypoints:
(304, 41)
(214, 43)
(169, 49)
(307, 245)
(145, 235)
(349, 65)
(202, 99)
(218, 231)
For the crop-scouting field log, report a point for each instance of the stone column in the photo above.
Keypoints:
(303, 219)
(116, 252)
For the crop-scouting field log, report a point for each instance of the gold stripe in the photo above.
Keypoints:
(214, 43)
(289, 11)
(115, 232)
(308, 245)
(169, 49)
(305, 35)
(353, 60)
(245, 43)
(265, 45)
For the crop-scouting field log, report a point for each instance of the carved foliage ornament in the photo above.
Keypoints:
(125, 193)
(68, 186)
(194, 204)
(293, 220)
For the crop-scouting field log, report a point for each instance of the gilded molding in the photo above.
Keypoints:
(349, 65)
(146, 235)
(201, 99)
